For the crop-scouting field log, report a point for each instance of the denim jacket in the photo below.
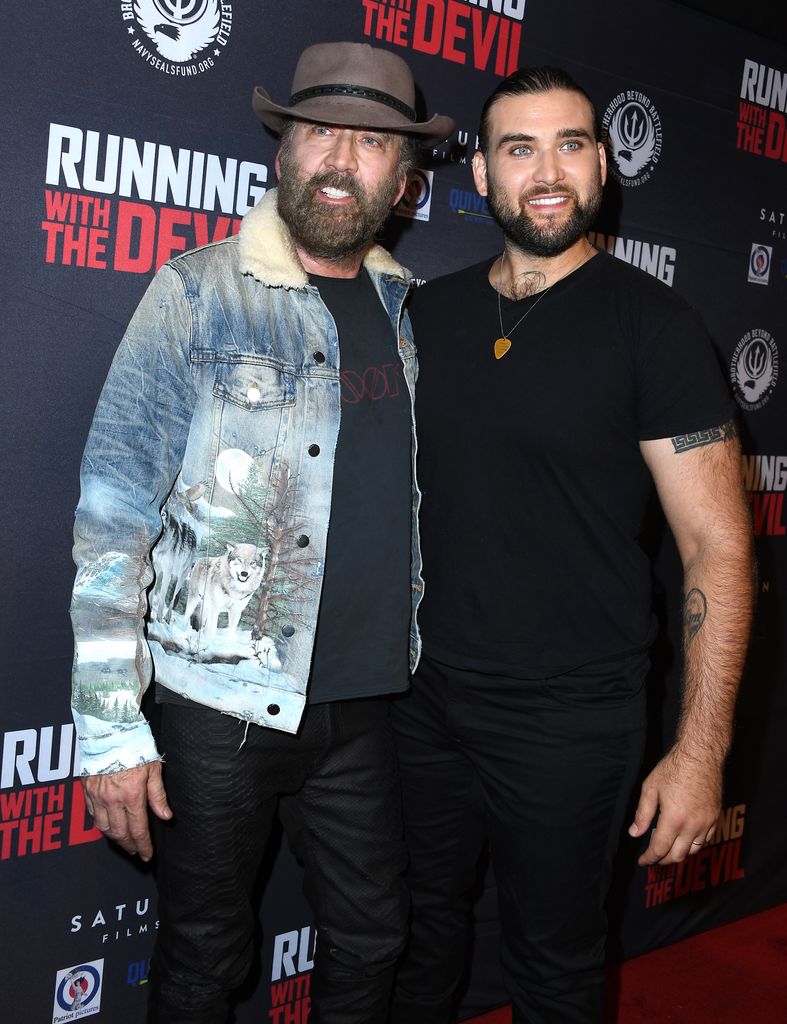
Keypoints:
(206, 492)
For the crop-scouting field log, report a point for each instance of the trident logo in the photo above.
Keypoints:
(181, 12)
(633, 128)
(179, 29)
(632, 134)
(756, 360)
(754, 369)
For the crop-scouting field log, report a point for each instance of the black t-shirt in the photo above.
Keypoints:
(534, 488)
(362, 643)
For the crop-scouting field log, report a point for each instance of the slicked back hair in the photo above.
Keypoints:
(528, 82)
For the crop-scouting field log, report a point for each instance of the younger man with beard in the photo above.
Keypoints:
(556, 384)
(263, 389)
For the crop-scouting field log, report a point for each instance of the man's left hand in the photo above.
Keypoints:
(686, 793)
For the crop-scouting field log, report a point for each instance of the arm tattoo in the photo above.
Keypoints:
(695, 608)
(684, 442)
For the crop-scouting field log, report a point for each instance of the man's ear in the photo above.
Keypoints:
(602, 158)
(479, 172)
(400, 193)
(277, 164)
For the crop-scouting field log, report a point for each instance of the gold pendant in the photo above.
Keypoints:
(502, 345)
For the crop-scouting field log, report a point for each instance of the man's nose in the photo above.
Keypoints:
(548, 170)
(341, 155)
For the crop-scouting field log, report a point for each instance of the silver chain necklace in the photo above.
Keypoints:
(503, 343)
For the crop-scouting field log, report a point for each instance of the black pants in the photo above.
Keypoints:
(543, 769)
(336, 789)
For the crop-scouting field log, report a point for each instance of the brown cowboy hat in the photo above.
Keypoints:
(352, 84)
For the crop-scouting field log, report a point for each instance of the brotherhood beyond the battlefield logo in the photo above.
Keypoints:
(632, 126)
(754, 369)
(179, 37)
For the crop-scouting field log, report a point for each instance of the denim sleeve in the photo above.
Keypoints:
(131, 460)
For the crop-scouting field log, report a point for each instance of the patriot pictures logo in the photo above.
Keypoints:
(760, 263)
(178, 37)
(78, 992)
(754, 369)
(417, 199)
(633, 127)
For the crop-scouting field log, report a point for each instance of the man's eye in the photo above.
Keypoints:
(520, 151)
(572, 145)
(371, 140)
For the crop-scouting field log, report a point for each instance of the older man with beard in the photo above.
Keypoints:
(556, 385)
(262, 398)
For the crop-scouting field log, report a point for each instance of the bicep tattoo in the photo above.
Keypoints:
(685, 442)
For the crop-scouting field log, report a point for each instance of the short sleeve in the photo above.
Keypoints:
(681, 387)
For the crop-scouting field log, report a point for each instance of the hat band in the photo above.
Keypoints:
(359, 92)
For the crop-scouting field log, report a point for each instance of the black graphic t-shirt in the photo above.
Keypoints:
(362, 643)
(534, 488)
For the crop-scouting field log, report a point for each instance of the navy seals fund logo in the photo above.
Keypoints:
(754, 369)
(178, 37)
(633, 127)
(78, 992)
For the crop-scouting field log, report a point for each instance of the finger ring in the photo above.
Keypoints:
(695, 843)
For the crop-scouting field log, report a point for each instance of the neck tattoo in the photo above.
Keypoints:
(503, 343)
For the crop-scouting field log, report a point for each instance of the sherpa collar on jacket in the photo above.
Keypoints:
(267, 251)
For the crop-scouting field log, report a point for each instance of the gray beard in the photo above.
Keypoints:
(522, 231)
(329, 232)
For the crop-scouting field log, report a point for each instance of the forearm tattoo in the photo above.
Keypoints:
(685, 442)
(695, 608)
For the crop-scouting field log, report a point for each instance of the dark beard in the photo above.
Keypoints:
(526, 235)
(331, 232)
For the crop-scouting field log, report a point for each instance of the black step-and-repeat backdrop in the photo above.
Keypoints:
(128, 137)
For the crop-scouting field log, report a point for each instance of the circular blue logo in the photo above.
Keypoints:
(760, 261)
(417, 191)
(78, 988)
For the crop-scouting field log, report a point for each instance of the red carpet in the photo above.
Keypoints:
(736, 974)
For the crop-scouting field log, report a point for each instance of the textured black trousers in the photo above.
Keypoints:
(542, 769)
(336, 791)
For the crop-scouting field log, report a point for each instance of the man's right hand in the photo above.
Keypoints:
(119, 805)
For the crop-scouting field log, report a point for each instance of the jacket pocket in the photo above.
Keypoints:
(254, 386)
